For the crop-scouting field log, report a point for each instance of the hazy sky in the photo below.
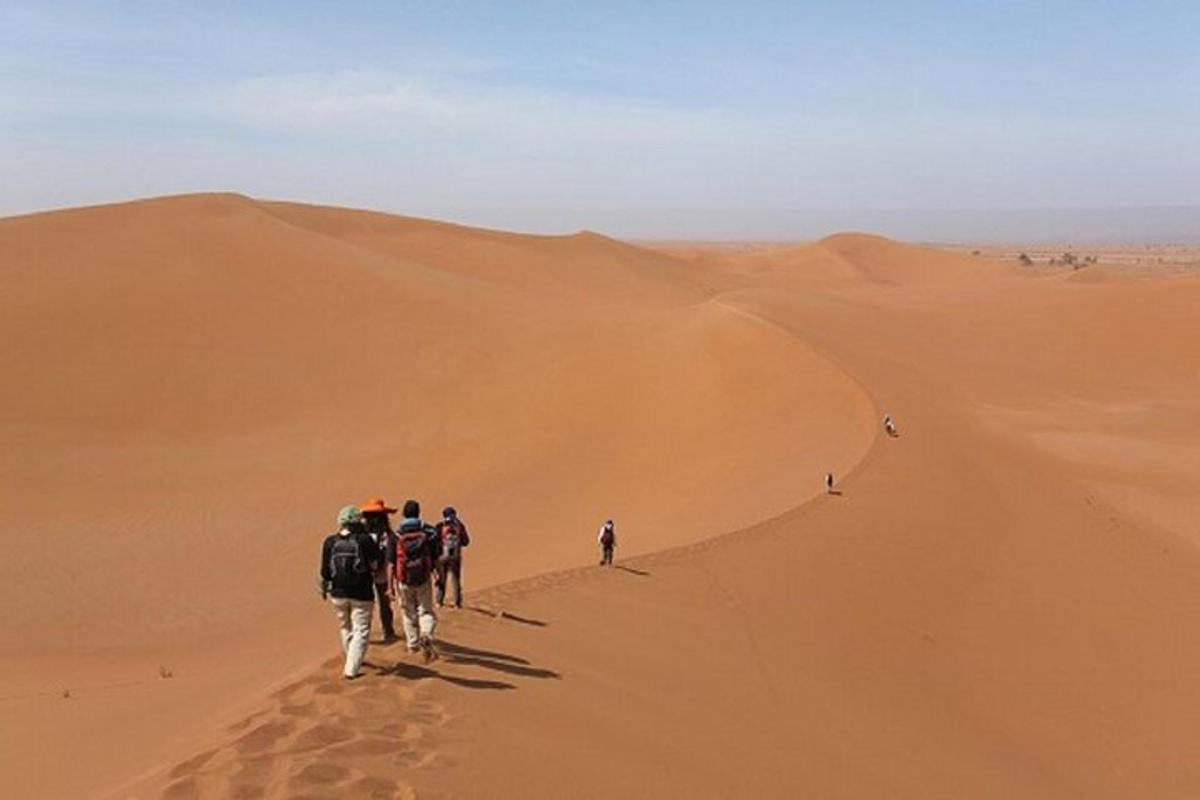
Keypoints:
(670, 119)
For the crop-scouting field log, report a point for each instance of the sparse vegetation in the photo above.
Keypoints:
(1025, 259)
(165, 672)
(66, 694)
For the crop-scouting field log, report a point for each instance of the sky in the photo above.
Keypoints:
(691, 120)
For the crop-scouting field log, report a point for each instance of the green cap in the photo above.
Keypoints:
(350, 515)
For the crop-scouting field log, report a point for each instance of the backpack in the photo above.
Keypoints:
(415, 570)
(346, 559)
(608, 536)
(451, 540)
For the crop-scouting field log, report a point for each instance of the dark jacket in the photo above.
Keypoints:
(350, 583)
(431, 551)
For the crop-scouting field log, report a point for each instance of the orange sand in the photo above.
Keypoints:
(997, 605)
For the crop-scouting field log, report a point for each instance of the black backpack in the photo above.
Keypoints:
(346, 560)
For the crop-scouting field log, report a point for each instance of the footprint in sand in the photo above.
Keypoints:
(304, 710)
(320, 736)
(264, 737)
(321, 774)
(374, 787)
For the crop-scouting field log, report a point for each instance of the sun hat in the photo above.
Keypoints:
(377, 506)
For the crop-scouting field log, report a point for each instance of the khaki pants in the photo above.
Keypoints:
(416, 607)
(355, 619)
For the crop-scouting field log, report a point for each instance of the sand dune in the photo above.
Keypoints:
(996, 605)
(204, 382)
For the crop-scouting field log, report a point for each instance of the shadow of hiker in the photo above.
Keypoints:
(835, 492)
(631, 570)
(487, 612)
(463, 650)
(523, 620)
(418, 672)
(501, 662)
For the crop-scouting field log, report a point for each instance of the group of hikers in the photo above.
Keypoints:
(367, 563)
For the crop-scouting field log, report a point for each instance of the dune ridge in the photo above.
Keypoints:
(225, 430)
(997, 603)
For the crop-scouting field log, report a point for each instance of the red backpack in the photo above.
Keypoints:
(413, 550)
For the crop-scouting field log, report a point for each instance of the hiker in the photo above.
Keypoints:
(607, 540)
(375, 515)
(452, 534)
(349, 559)
(416, 556)
(828, 483)
(889, 426)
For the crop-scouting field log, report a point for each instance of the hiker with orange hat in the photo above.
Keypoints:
(375, 516)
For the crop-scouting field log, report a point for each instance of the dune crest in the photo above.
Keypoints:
(997, 602)
(208, 378)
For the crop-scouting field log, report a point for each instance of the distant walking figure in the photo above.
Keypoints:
(889, 426)
(829, 483)
(416, 556)
(349, 559)
(607, 540)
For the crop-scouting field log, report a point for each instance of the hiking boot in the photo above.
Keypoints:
(389, 637)
(427, 649)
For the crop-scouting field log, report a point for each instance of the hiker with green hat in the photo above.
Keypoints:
(349, 560)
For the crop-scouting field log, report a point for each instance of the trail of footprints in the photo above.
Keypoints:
(322, 738)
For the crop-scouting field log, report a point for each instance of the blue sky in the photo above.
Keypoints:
(668, 119)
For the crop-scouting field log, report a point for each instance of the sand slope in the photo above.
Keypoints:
(999, 603)
(206, 379)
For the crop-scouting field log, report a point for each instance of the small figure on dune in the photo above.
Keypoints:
(889, 426)
(375, 516)
(416, 556)
(349, 559)
(608, 541)
(452, 533)
(829, 483)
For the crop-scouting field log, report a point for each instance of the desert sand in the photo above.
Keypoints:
(999, 602)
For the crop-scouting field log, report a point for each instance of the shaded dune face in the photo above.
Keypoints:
(997, 604)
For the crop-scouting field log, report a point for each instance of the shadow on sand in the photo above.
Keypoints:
(487, 612)
(454, 654)
(631, 570)
(418, 672)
